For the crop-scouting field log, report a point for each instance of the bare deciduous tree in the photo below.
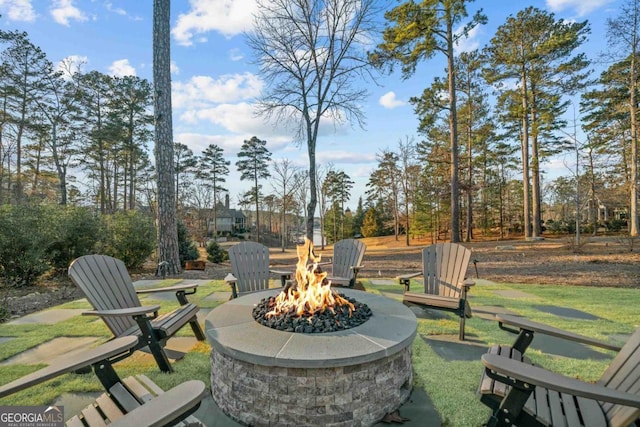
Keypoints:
(311, 52)
(284, 185)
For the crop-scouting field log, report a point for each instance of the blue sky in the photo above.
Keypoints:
(215, 82)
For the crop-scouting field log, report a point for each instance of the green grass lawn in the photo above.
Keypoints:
(450, 382)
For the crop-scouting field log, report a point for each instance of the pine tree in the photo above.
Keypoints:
(253, 165)
(167, 222)
(535, 50)
(214, 171)
(418, 31)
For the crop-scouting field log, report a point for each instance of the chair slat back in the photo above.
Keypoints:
(250, 265)
(623, 374)
(444, 266)
(347, 253)
(106, 284)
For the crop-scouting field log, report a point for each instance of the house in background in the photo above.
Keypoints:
(228, 220)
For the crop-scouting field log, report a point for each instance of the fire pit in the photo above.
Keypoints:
(307, 355)
(262, 376)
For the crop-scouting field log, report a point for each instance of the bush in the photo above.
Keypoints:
(616, 224)
(129, 236)
(75, 232)
(215, 253)
(187, 248)
(24, 237)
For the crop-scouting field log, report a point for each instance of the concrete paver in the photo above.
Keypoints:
(218, 296)
(48, 317)
(51, 349)
(566, 312)
(74, 403)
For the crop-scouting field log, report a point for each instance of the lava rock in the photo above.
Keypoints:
(329, 320)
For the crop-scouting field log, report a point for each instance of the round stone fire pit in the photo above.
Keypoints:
(262, 376)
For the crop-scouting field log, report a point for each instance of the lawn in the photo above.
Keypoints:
(450, 378)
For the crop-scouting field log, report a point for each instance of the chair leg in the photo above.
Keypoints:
(197, 329)
(461, 333)
(155, 346)
(159, 355)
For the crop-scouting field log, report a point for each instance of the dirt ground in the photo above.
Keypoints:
(599, 261)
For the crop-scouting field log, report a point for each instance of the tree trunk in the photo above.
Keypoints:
(453, 128)
(525, 160)
(167, 225)
(469, 219)
(535, 170)
(633, 205)
(313, 189)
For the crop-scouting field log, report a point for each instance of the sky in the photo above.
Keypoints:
(215, 81)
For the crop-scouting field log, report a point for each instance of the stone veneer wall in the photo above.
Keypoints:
(349, 396)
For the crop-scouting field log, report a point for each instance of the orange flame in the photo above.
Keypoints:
(312, 293)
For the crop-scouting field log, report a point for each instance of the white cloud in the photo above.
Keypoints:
(237, 118)
(241, 120)
(227, 17)
(201, 91)
(469, 43)
(198, 142)
(121, 68)
(120, 11)
(582, 7)
(71, 64)
(18, 10)
(64, 11)
(341, 157)
(174, 68)
(117, 10)
(388, 100)
(236, 54)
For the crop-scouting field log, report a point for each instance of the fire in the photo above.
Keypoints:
(311, 293)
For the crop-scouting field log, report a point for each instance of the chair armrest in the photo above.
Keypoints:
(531, 326)
(467, 283)
(175, 288)
(231, 280)
(281, 272)
(166, 407)
(541, 377)
(131, 311)
(284, 276)
(356, 267)
(64, 364)
(409, 276)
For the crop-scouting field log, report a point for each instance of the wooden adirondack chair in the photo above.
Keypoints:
(107, 285)
(444, 267)
(534, 396)
(346, 262)
(492, 392)
(134, 401)
(250, 268)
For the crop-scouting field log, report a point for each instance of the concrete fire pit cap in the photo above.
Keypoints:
(232, 330)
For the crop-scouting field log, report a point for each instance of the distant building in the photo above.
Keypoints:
(228, 220)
